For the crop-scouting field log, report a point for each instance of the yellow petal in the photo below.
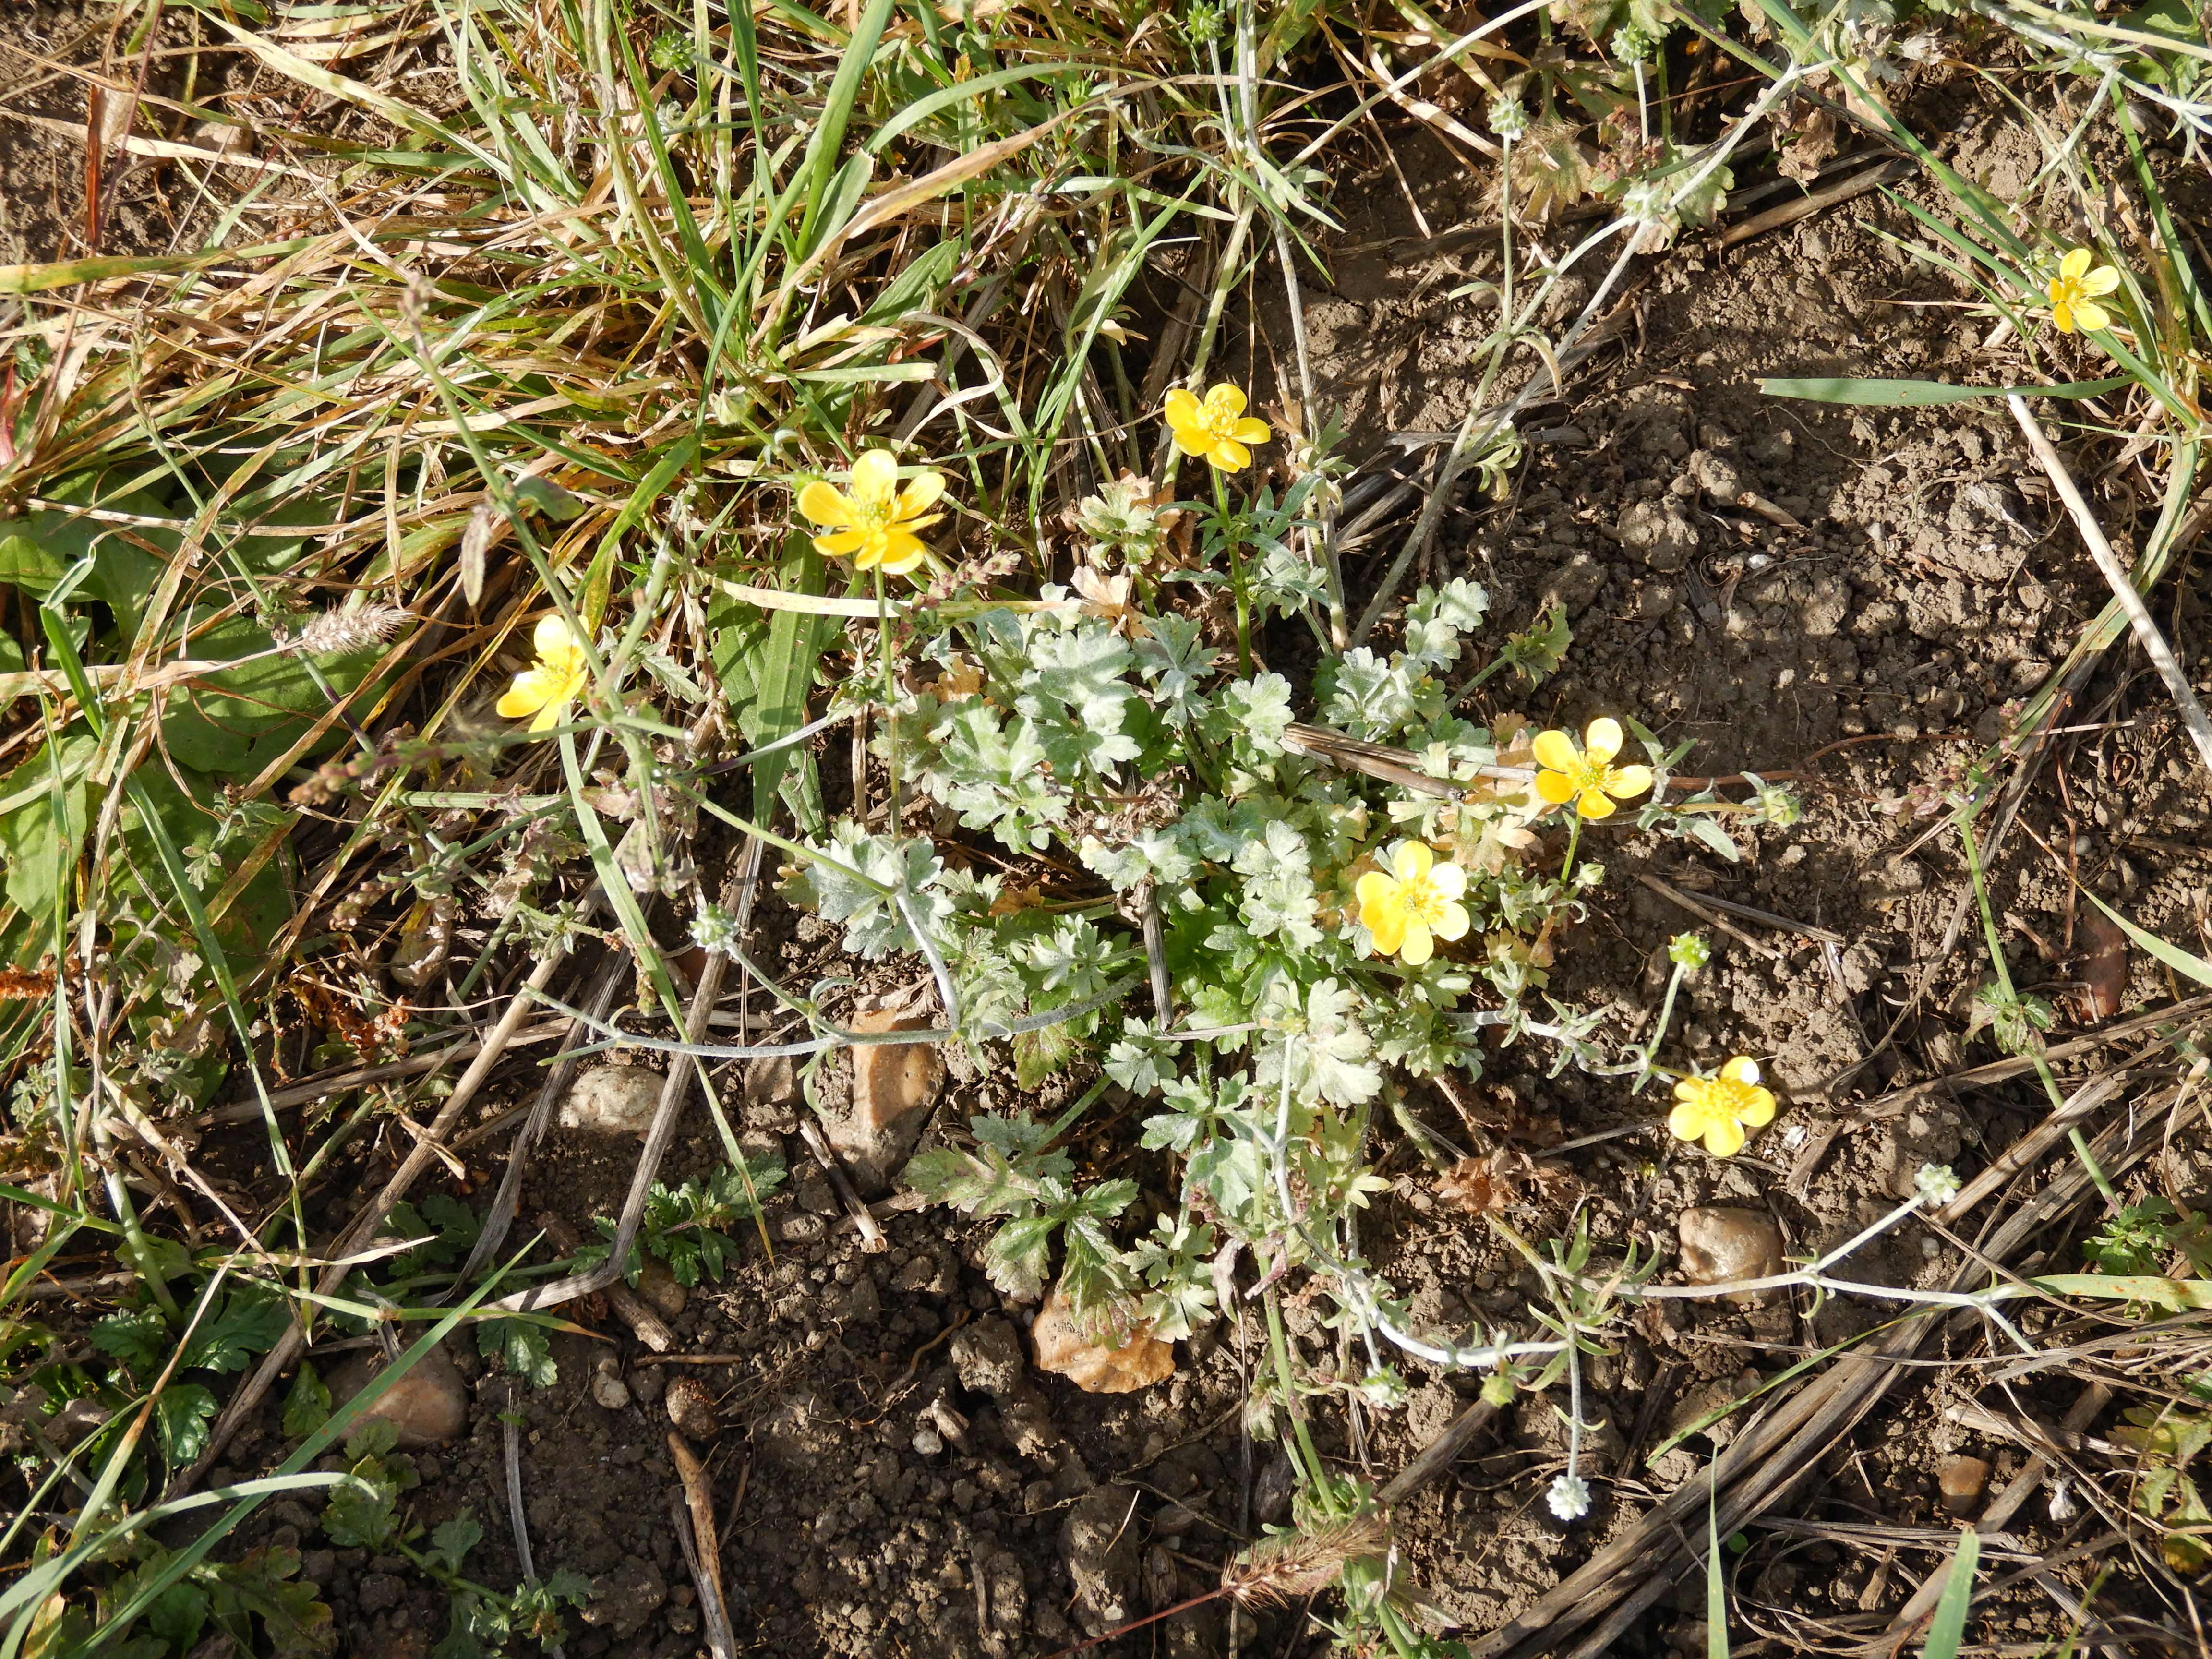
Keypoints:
(1759, 1110)
(2075, 264)
(550, 716)
(1594, 804)
(1249, 431)
(2061, 314)
(2090, 316)
(1227, 397)
(1692, 1089)
(1418, 946)
(920, 494)
(1627, 780)
(875, 475)
(1450, 881)
(551, 638)
(526, 696)
(842, 545)
(1742, 1069)
(1231, 456)
(1723, 1138)
(1453, 924)
(1192, 442)
(1374, 889)
(1389, 930)
(1557, 750)
(1601, 742)
(2103, 280)
(825, 504)
(1181, 409)
(1556, 787)
(1413, 861)
(1686, 1121)
(900, 552)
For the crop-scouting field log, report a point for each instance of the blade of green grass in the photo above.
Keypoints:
(1925, 394)
(1949, 1627)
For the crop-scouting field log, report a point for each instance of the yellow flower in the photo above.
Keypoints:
(1716, 1110)
(874, 525)
(1217, 430)
(1587, 775)
(549, 685)
(1412, 902)
(2074, 291)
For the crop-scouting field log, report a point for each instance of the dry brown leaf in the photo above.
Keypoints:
(2104, 973)
(1138, 1361)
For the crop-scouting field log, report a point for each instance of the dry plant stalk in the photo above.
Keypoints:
(1291, 1566)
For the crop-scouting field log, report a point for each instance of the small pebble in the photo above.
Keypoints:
(1963, 1480)
(607, 1388)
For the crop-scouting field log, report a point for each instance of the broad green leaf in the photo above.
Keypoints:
(767, 668)
(264, 1585)
(2173, 1295)
(307, 1405)
(1925, 394)
(235, 720)
(41, 833)
(181, 1416)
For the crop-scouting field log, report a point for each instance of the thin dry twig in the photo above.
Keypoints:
(702, 1549)
(1710, 917)
(1440, 1455)
(2118, 578)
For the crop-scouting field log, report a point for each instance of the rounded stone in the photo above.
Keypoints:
(427, 1406)
(1722, 1245)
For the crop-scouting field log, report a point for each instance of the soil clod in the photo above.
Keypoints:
(613, 1100)
(1099, 1543)
(691, 1408)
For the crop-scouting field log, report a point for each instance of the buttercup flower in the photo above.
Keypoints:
(1717, 1110)
(1587, 775)
(2074, 291)
(873, 523)
(1412, 902)
(547, 687)
(1217, 430)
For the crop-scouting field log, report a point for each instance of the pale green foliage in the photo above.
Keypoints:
(1121, 521)
(1129, 751)
(852, 881)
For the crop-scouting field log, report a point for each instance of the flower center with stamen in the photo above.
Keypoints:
(1726, 1095)
(1423, 901)
(1587, 775)
(1218, 421)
